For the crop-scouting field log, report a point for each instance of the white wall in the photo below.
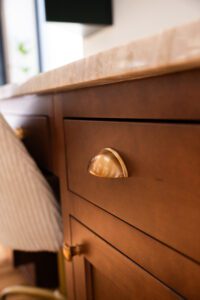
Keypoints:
(19, 28)
(60, 45)
(135, 19)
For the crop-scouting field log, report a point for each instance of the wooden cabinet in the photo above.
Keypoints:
(139, 234)
(102, 272)
(156, 258)
(163, 184)
(33, 115)
(166, 97)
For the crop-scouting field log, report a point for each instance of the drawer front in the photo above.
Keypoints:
(36, 136)
(175, 270)
(102, 272)
(161, 196)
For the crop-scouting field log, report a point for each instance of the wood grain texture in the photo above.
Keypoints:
(126, 276)
(164, 263)
(34, 114)
(161, 195)
(59, 168)
(160, 199)
(172, 96)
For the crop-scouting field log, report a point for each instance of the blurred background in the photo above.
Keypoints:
(40, 35)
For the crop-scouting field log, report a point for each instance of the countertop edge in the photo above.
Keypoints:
(170, 51)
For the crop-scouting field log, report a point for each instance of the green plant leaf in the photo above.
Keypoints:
(23, 49)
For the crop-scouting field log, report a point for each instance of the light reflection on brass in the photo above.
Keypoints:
(108, 164)
(70, 251)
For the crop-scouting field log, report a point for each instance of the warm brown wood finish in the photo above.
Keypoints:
(112, 274)
(160, 199)
(163, 185)
(59, 166)
(139, 234)
(173, 96)
(164, 263)
(33, 114)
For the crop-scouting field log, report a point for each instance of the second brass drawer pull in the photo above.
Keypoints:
(70, 251)
(108, 164)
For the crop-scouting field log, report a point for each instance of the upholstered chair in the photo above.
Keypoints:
(30, 217)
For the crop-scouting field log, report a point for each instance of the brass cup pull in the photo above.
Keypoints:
(20, 133)
(108, 164)
(70, 251)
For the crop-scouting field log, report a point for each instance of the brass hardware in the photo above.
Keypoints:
(20, 133)
(30, 291)
(108, 164)
(61, 273)
(70, 251)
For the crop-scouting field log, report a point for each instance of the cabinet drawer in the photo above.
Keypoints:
(175, 270)
(161, 196)
(36, 136)
(102, 272)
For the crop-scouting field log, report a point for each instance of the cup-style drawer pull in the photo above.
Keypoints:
(70, 251)
(108, 164)
(20, 133)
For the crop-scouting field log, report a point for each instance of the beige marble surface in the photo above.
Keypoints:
(7, 90)
(173, 50)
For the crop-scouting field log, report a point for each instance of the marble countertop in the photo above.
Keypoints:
(172, 50)
(7, 90)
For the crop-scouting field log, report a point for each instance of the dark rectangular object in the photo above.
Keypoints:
(79, 11)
